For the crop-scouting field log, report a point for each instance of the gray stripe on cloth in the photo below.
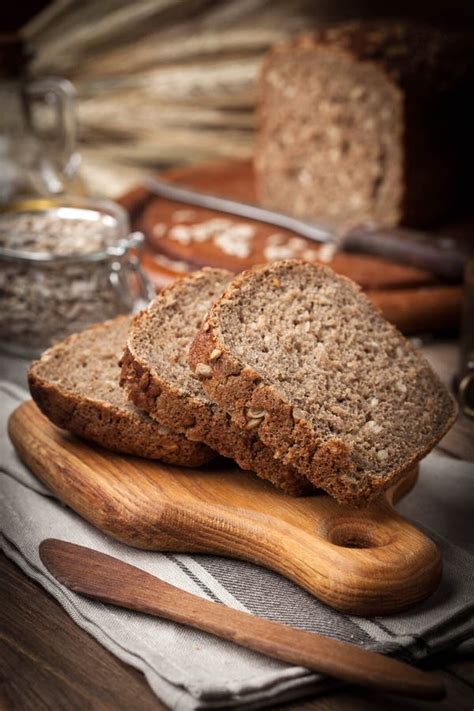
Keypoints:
(277, 598)
(204, 587)
(225, 596)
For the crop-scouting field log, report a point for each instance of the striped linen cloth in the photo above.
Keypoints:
(188, 669)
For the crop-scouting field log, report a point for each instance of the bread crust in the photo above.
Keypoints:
(108, 425)
(238, 388)
(412, 54)
(199, 420)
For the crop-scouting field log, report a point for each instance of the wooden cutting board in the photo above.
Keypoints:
(411, 298)
(362, 561)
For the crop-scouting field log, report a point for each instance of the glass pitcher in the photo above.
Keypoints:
(37, 137)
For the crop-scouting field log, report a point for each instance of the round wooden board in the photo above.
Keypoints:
(410, 298)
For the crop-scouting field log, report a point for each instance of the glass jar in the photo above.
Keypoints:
(65, 263)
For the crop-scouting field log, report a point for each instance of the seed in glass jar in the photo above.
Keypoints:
(42, 302)
(40, 232)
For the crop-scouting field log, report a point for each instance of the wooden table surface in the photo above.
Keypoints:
(48, 663)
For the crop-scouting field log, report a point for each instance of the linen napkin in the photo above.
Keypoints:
(188, 669)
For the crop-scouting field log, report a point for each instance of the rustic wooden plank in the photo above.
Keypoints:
(459, 697)
(48, 662)
(463, 669)
(53, 664)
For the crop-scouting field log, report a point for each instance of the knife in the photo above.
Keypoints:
(108, 579)
(437, 254)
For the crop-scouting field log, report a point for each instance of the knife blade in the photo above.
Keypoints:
(437, 254)
(110, 580)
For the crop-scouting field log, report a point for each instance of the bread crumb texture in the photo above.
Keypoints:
(334, 389)
(156, 374)
(76, 385)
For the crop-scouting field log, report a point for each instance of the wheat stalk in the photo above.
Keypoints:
(162, 81)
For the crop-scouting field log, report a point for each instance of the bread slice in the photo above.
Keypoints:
(335, 390)
(75, 384)
(157, 377)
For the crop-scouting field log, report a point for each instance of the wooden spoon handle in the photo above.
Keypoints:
(105, 578)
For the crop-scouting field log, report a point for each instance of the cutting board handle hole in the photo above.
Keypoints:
(357, 534)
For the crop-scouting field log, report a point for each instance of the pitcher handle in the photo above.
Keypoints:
(146, 290)
(127, 275)
(61, 93)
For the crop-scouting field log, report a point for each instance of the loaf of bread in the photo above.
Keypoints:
(76, 385)
(367, 122)
(157, 377)
(299, 355)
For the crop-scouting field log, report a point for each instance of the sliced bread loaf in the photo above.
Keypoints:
(76, 385)
(367, 121)
(156, 374)
(328, 384)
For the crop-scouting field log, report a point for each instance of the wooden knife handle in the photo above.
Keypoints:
(439, 255)
(105, 578)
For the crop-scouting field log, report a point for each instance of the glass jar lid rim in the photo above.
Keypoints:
(119, 249)
(72, 204)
